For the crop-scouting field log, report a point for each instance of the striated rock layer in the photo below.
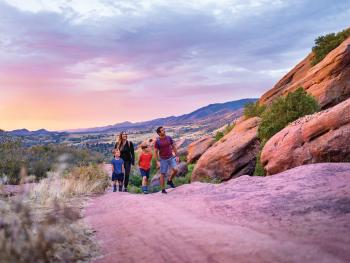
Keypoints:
(328, 81)
(232, 156)
(197, 148)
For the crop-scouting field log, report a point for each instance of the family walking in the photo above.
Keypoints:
(124, 157)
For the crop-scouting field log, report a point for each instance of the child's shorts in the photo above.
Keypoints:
(144, 172)
(117, 177)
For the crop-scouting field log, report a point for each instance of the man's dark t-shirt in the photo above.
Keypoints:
(164, 145)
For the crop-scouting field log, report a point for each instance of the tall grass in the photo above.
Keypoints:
(79, 181)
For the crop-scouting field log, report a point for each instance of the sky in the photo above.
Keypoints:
(68, 64)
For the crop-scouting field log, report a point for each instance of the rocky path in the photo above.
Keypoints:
(302, 215)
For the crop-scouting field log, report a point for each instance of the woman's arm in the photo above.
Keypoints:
(132, 150)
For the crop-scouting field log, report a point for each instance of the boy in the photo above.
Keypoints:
(145, 166)
(117, 171)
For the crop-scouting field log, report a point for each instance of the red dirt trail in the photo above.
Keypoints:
(301, 215)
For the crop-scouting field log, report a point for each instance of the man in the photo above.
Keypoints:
(163, 151)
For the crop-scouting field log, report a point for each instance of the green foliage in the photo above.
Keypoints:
(185, 179)
(221, 134)
(153, 166)
(38, 160)
(285, 110)
(254, 109)
(135, 180)
(259, 169)
(325, 44)
(229, 128)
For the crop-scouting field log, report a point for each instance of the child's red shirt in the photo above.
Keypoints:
(145, 161)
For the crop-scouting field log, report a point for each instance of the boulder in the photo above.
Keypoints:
(320, 137)
(197, 148)
(232, 156)
(328, 81)
(182, 171)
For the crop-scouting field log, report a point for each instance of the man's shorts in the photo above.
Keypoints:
(144, 172)
(117, 177)
(166, 164)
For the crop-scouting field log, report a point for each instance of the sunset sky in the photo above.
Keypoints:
(73, 64)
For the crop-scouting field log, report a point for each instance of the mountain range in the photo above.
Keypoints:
(214, 115)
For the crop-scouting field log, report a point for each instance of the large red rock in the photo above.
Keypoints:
(197, 148)
(321, 137)
(300, 215)
(328, 81)
(232, 156)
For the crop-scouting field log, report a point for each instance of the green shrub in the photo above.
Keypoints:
(135, 180)
(285, 110)
(185, 179)
(325, 44)
(279, 114)
(38, 160)
(253, 109)
(219, 135)
(229, 128)
(259, 169)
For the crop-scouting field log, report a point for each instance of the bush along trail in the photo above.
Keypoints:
(300, 215)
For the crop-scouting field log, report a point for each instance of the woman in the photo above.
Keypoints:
(127, 153)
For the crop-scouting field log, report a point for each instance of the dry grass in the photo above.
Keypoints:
(80, 181)
(29, 236)
(40, 226)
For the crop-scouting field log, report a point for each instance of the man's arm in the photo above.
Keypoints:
(175, 151)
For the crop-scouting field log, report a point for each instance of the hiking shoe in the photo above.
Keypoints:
(120, 189)
(164, 192)
(125, 190)
(114, 189)
(171, 184)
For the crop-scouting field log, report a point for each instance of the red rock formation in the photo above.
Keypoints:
(301, 215)
(197, 148)
(328, 81)
(321, 137)
(232, 156)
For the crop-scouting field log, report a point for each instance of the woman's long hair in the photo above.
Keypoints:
(120, 140)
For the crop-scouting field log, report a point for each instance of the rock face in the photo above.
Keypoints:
(232, 156)
(182, 171)
(321, 137)
(197, 148)
(300, 215)
(328, 81)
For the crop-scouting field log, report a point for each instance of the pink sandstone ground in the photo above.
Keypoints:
(301, 215)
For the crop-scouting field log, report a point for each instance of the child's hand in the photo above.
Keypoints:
(158, 164)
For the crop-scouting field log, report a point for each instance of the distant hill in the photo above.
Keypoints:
(25, 132)
(213, 115)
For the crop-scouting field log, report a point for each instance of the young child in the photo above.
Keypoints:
(145, 166)
(117, 171)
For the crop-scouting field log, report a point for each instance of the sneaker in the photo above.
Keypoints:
(171, 184)
(125, 190)
(114, 189)
(120, 188)
(164, 192)
(145, 192)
